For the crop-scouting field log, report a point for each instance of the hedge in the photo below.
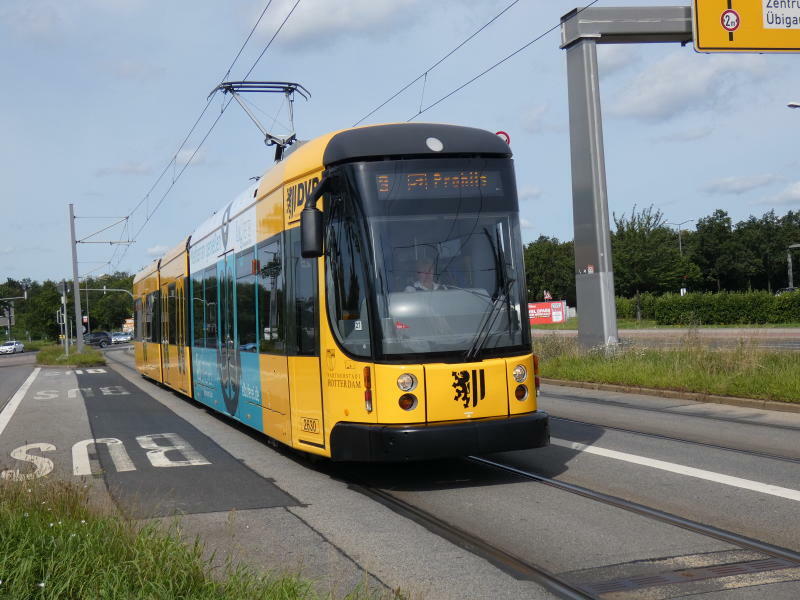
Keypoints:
(724, 308)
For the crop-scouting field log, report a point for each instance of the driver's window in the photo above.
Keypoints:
(345, 282)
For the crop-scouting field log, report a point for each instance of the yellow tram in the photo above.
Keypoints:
(387, 323)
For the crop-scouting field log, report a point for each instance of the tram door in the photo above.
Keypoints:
(182, 334)
(227, 344)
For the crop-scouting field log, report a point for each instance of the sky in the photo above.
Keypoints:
(101, 94)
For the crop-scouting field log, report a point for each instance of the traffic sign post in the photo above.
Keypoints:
(746, 25)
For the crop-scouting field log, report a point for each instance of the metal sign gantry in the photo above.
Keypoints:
(581, 31)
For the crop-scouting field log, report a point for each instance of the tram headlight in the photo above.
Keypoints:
(520, 373)
(407, 382)
(521, 392)
(408, 402)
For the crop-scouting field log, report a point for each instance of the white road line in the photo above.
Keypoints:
(747, 484)
(8, 411)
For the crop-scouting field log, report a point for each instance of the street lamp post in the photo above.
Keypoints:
(789, 262)
(678, 225)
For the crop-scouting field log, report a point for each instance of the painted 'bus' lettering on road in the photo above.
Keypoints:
(157, 454)
(43, 465)
(119, 456)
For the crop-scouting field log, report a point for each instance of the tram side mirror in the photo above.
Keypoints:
(311, 232)
(311, 221)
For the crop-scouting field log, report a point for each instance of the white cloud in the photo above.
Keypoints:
(129, 168)
(739, 184)
(38, 19)
(789, 196)
(533, 119)
(186, 155)
(613, 58)
(685, 81)
(157, 250)
(321, 22)
(529, 193)
(525, 224)
(686, 135)
(137, 71)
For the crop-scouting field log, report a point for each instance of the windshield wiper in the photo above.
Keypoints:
(500, 296)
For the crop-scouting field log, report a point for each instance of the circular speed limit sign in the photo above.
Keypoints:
(730, 20)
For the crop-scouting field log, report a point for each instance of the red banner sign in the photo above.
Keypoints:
(547, 312)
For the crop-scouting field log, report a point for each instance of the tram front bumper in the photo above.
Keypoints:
(421, 441)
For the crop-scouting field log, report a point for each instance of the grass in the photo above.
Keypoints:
(652, 324)
(53, 545)
(54, 355)
(744, 371)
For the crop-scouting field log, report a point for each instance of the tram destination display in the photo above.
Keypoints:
(438, 184)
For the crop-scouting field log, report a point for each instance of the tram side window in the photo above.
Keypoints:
(137, 319)
(172, 315)
(148, 317)
(304, 277)
(157, 317)
(345, 279)
(210, 288)
(198, 311)
(246, 301)
(270, 297)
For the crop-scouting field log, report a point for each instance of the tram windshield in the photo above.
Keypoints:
(445, 249)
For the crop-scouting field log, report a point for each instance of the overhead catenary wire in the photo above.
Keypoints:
(433, 66)
(495, 65)
(213, 125)
(200, 117)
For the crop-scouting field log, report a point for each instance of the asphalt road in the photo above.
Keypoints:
(157, 454)
(14, 369)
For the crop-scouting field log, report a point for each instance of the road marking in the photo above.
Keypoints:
(43, 466)
(157, 454)
(747, 484)
(8, 411)
(119, 456)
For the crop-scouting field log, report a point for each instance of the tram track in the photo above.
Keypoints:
(730, 537)
(507, 562)
(659, 436)
(770, 557)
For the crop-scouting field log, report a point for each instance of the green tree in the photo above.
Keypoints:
(550, 265)
(646, 255)
(763, 239)
(107, 311)
(723, 259)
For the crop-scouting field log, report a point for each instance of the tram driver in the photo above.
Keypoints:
(425, 280)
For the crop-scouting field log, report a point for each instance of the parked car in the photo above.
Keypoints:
(97, 338)
(12, 347)
(120, 337)
(786, 290)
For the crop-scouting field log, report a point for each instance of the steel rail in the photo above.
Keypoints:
(659, 515)
(509, 563)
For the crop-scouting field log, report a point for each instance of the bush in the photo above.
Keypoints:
(626, 308)
(786, 308)
(727, 308)
(723, 308)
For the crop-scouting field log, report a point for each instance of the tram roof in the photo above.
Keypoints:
(175, 252)
(147, 271)
(411, 140)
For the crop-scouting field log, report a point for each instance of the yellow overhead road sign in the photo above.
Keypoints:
(746, 25)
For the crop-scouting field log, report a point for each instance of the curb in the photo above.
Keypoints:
(693, 396)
